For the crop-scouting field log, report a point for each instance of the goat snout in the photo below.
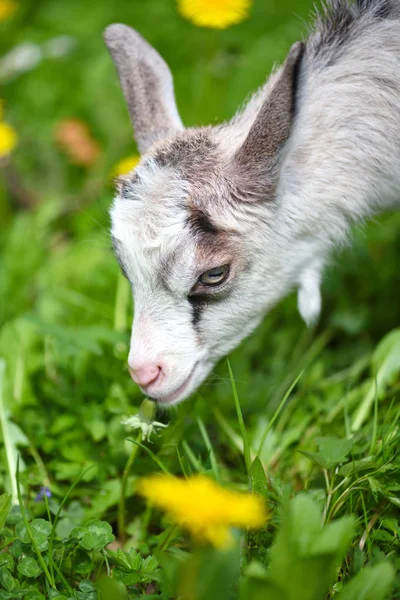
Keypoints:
(145, 374)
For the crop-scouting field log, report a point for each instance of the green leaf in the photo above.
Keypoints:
(15, 516)
(314, 457)
(334, 537)
(101, 531)
(35, 595)
(88, 541)
(7, 581)
(255, 583)
(6, 560)
(5, 507)
(129, 561)
(108, 588)
(150, 564)
(357, 465)
(95, 535)
(40, 530)
(131, 578)
(372, 583)
(333, 451)
(210, 574)
(22, 533)
(310, 553)
(29, 567)
(18, 549)
(83, 562)
(394, 500)
(257, 478)
(87, 586)
(86, 596)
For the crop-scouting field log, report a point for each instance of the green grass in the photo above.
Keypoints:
(307, 418)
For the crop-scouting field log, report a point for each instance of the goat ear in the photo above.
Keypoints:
(272, 124)
(309, 294)
(147, 85)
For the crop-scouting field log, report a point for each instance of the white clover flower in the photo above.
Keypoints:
(139, 422)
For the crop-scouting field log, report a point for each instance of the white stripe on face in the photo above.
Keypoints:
(158, 253)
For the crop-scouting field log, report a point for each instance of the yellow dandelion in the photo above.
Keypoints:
(216, 14)
(8, 139)
(125, 165)
(206, 509)
(7, 8)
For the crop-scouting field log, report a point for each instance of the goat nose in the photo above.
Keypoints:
(145, 374)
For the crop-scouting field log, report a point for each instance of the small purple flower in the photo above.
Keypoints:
(44, 492)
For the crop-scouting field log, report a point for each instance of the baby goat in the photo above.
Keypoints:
(217, 224)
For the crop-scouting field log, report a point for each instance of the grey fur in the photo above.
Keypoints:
(271, 128)
(147, 85)
(270, 193)
(339, 22)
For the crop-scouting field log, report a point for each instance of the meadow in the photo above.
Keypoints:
(306, 419)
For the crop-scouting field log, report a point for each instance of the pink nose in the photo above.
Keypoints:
(145, 374)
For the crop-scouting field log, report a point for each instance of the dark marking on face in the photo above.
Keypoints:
(197, 308)
(199, 302)
(200, 223)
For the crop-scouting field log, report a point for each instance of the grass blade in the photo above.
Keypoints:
(196, 464)
(375, 420)
(210, 450)
(42, 563)
(277, 413)
(184, 469)
(124, 483)
(233, 437)
(8, 445)
(57, 516)
(246, 446)
(150, 453)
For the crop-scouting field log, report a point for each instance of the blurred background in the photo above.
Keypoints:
(65, 311)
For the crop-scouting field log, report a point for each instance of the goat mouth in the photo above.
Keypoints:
(173, 396)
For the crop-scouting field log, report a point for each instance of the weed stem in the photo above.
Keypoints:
(124, 483)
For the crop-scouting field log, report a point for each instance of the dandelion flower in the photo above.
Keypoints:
(7, 8)
(125, 165)
(8, 139)
(216, 14)
(206, 509)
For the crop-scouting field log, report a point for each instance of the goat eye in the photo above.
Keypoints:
(214, 276)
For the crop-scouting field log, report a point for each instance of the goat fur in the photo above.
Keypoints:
(270, 192)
